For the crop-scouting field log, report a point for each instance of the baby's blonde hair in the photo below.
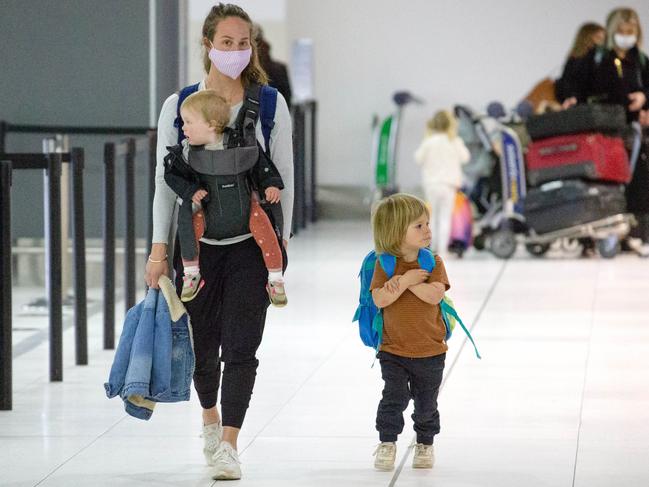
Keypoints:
(212, 106)
(443, 122)
(390, 220)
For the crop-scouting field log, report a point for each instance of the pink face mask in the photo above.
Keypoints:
(230, 63)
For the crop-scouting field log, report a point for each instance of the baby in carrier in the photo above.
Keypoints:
(221, 190)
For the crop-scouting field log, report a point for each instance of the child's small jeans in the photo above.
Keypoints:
(409, 378)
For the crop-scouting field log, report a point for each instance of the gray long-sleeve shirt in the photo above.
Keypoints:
(281, 152)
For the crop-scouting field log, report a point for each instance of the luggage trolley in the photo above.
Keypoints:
(505, 225)
(385, 145)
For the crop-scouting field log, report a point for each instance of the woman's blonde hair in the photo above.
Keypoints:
(390, 220)
(443, 122)
(584, 39)
(621, 16)
(253, 73)
(212, 106)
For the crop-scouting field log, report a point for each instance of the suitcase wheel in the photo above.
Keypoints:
(537, 249)
(608, 247)
(502, 243)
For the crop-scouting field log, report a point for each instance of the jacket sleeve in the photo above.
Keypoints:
(179, 176)
(265, 173)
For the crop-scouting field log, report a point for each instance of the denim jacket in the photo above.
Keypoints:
(154, 361)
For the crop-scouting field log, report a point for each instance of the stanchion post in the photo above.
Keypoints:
(109, 246)
(314, 166)
(5, 288)
(129, 241)
(78, 222)
(298, 140)
(53, 230)
(3, 136)
(153, 144)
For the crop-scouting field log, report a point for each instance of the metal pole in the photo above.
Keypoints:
(299, 211)
(3, 136)
(153, 145)
(314, 138)
(53, 229)
(129, 243)
(80, 303)
(5, 288)
(109, 246)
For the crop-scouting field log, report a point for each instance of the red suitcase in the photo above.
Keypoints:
(589, 156)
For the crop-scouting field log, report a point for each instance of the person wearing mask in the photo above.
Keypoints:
(619, 74)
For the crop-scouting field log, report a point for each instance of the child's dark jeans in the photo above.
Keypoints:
(409, 378)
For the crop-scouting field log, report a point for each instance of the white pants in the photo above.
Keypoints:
(441, 198)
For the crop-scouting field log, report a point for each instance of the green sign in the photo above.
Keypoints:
(383, 155)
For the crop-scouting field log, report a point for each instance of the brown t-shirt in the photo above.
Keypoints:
(411, 327)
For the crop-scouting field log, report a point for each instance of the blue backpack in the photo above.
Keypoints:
(266, 103)
(370, 318)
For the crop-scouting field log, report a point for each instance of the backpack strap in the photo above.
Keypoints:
(268, 101)
(388, 263)
(448, 309)
(182, 94)
(426, 259)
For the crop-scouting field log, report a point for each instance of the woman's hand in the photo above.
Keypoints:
(638, 99)
(153, 270)
(568, 102)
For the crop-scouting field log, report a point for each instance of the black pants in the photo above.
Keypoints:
(228, 317)
(409, 378)
(186, 235)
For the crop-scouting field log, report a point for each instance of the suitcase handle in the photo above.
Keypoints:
(556, 149)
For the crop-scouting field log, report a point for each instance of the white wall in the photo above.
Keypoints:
(447, 51)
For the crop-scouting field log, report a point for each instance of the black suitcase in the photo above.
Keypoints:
(607, 119)
(564, 204)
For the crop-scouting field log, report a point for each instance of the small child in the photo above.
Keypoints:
(441, 156)
(413, 349)
(205, 117)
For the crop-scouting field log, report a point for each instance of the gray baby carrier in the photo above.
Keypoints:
(225, 174)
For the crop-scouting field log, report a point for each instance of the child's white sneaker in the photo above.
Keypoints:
(212, 434)
(277, 293)
(226, 463)
(385, 455)
(424, 456)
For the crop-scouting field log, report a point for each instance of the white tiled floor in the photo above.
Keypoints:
(561, 397)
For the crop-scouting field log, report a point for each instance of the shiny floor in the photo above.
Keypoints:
(560, 398)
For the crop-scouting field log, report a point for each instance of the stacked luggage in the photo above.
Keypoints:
(577, 165)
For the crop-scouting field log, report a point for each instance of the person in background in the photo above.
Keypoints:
(441, 156)
(589, 36)
(619, 74)
(276, 71)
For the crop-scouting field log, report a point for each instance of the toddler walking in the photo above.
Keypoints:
(413, 349)
(205, 117)
(441, 156)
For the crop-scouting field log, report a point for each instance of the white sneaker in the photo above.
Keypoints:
(226, 463)
(212, 434)
(638, 246)
(385, 454)
(424, 456)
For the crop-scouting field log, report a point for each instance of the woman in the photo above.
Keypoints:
(588, 36)
(228, 315)
(619, 75)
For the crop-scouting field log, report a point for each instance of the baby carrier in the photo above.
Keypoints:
(230, 175)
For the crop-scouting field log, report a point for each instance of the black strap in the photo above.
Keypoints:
(244, 134)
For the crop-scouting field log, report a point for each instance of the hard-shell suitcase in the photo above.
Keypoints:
(563, 204)
(608, 119)
(590, 156)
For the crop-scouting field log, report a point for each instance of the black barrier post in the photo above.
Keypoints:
(5, 288)
(80, 302)
(298, 164)
(53, 230)
(129, 243)
(3, 135)
(313, 205)
(109, 246)
(153, 144)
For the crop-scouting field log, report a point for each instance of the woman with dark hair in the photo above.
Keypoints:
(229, 313)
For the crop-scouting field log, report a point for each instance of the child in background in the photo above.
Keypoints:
(441, 156)
(205, 117)
(413, 349)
